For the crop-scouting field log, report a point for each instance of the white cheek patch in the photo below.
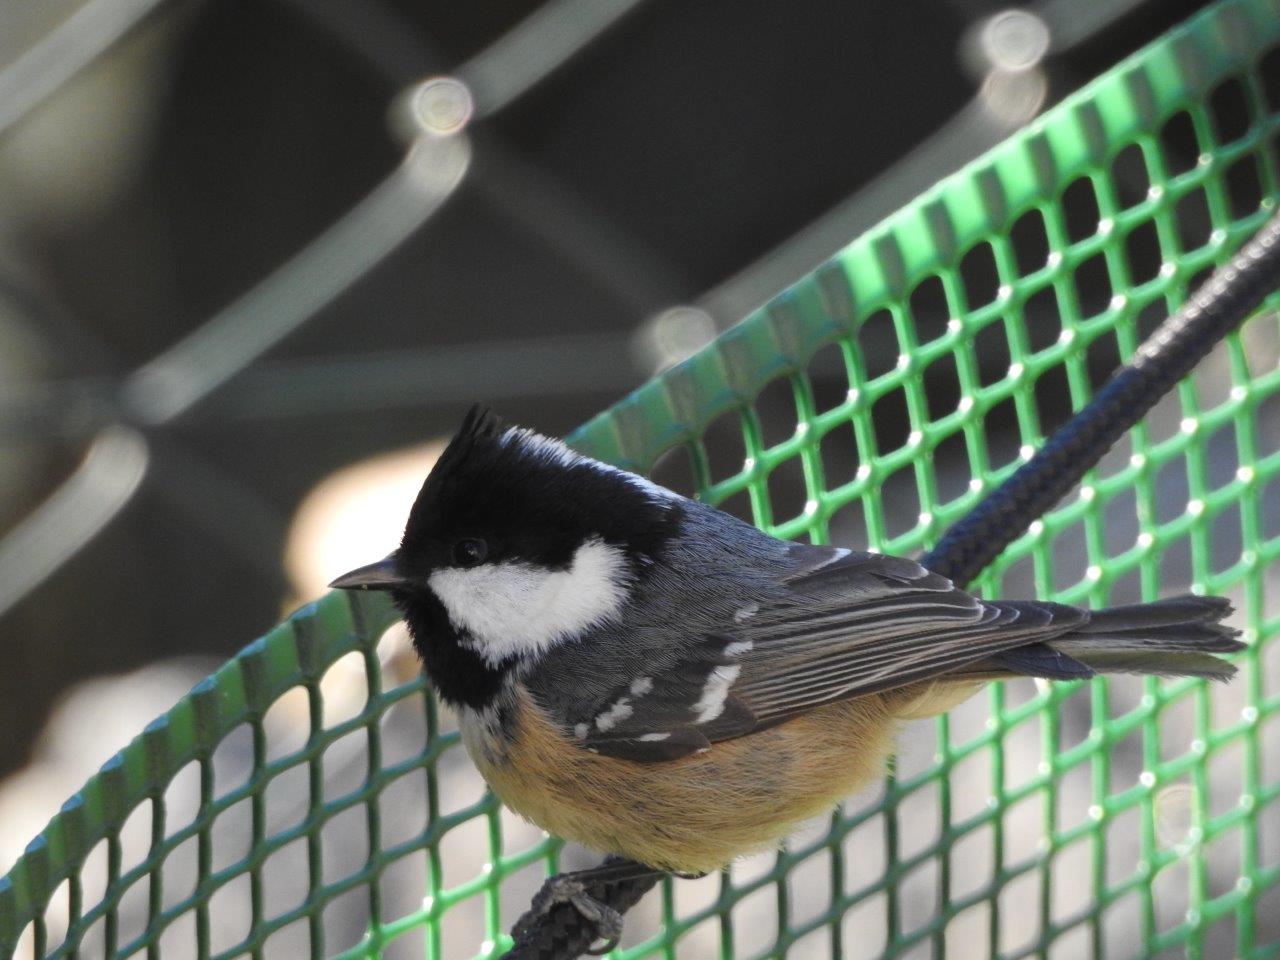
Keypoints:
(520, 609)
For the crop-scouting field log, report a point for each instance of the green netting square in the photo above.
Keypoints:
(310, 799)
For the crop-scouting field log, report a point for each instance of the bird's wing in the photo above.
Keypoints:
(841, 624)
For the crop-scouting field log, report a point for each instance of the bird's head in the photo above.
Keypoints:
(515, 544)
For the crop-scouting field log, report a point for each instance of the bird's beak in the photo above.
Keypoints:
(381, 575)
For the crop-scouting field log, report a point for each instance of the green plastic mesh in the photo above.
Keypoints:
(273, 813)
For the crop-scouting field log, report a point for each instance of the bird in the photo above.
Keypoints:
(661, 681)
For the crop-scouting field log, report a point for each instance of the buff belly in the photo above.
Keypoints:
(698, 813)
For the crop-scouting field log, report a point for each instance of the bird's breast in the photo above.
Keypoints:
(693, 814)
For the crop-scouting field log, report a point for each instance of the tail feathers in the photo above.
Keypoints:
(1204, 665)
(1177, 637)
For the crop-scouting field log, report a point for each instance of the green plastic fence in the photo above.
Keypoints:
(1124, 818)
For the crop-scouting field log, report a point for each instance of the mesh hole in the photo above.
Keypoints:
(231, 904)
(970, 786)
(674, 470)
(346, 843)
(1043, 322)
(942, 387)
(724, 446)
(1142, 253)
(991, 351)
(1093, 285)
(132, 909)
(463, 926)
(1150, 317)
(809, 884)
(402, 884)
(284, 878)
(828, 377)
(1122, 926)
(755, 920)
(1075, 941)
(1171, 490)
(980, 277)
(135, 837)
(1229, 108)
(787, 491)
(232, 760)
(1169, 891)
(286, 797)
(1103, 358)
(1053, 399)
(968, 933)
(1269, 73)
(1221, 938)
(399, 666)
(1030, 242)
(866, 854)
(901, 498)
(1120, 522)
(289, 942)
(1003, 441)
(404, 728)
(181, 872)
(345, 766)
(877, 344)
(288, 725)
(1269, 493)
(973, 862)
(1070, 557)
(344, 689)
(57, 916)
(839, 454)
(1080, 210)
(1178, 144)
(345, 919)
(929, 310)
(891, 421)
(848, 526)
(1194, 223)
(1070, 896)
(1244, 186)
(951, 468)
(1129, 176)
(739, 505)
(775, 407)
(919, 903)
(921, 810)
(464, 851)
(179, 937)
(1020, 919)
(1226, 537)
(866, 923)
(231, 835)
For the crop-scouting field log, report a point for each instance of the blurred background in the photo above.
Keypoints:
(255, 262)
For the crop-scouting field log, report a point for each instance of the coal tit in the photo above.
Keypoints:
(654, 678)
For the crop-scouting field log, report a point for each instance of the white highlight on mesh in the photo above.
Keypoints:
(653, 737)
(614, 715)
(746, 613)
(711, 704)
(520, 609)
(640, 686)
(556, 452)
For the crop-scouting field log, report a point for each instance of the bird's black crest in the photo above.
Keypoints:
(530, 499)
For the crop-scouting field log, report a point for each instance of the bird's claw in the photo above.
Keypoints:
(569, 889)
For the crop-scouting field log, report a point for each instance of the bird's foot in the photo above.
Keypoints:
(568, 888)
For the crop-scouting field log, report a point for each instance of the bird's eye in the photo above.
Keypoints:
(470, 552)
